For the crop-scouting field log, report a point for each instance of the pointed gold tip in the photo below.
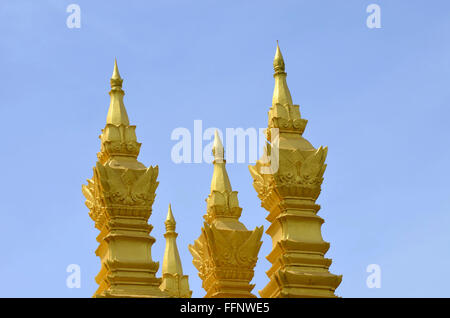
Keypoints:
(217, 149)
(116, 74)
(170, 217)
(117, 114)
(220, 180)
(217, 141)
(278, 61)
(281, 94)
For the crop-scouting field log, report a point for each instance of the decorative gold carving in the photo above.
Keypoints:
(222, 204)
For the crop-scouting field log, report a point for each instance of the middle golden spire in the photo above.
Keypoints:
(226, 252)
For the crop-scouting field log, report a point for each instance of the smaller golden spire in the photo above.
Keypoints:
(220, 180)
(172, 261)
(117, 114)
(173, 281)
(281, 93)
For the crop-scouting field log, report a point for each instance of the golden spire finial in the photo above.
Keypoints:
(173, 281)
(281, 94)
(117, 114)
(278, 62)
(170, 220)
(116, 74)
(220, 181)
(217, 148)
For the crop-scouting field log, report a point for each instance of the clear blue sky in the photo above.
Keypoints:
(378, 98)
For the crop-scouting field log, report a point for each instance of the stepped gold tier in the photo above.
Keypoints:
(120, 196)
(226, 252)
(288, 181)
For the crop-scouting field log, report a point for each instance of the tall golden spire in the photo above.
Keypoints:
(281, 94)
(289, 193)
(120, 196)
(173, 281)
(117, 114)
(226, 252)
